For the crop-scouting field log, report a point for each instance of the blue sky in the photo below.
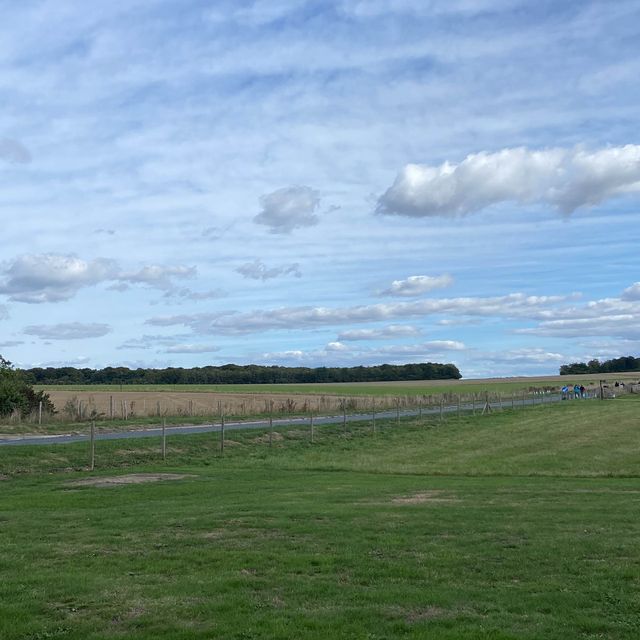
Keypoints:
(320, 183)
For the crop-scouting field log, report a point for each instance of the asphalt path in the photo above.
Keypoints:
(155, 432)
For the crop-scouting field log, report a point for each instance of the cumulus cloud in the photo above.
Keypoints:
(14, 152)
(384, 333)
(632, 292)
(417, 285)
(38, 278)
(51, 277)
(289, 208)
(68, 330)
(563, 178)
(258, 270)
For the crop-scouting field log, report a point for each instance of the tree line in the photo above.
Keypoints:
(615, 365)
(242, 374)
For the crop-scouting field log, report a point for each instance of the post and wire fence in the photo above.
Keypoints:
(313, 415)
(367, 414)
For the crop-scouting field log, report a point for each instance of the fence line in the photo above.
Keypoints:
(77, 410)
(427, 409)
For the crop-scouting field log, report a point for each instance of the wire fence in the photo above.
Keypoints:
(127, 406)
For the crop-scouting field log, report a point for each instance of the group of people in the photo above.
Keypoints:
(578, 391)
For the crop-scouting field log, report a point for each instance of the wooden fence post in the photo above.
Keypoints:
(40, 412)
(164, 439)
(441, 407)
(221, 427)
(397, 412)
(487, 404)
(344, 415)
(271, 423)
(93, 445)
(373, 416)
(311, 425)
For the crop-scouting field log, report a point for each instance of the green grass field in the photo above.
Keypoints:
(513, 525)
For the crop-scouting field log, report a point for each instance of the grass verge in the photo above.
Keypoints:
(514, 525)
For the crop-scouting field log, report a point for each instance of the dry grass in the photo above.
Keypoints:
(130, 478)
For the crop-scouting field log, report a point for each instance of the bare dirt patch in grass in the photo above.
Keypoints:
(425, 496)
(130, 478)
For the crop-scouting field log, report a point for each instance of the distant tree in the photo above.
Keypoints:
(615, 365)
(16, 394)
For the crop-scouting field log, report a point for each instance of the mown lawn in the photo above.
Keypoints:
(514, 525)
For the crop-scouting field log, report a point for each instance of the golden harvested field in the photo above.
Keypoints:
(239, 400)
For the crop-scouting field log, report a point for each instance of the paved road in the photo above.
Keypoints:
(154, 432)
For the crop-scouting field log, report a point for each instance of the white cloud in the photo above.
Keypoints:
(336, 346)
(192, 348)
(149, 341)
(338, 353)
(632, 292)
(14, 152)
(391, 331)
(258, 270)
(417, 285)
(424, 349)
(515, 305)
(51, 277)
(525, 356)
(157, 276)
(377, 8)
(184, 293)
(624, 325)
(10, 343)
(563, 178)
(289, 208)
(613, 317)
(68, 330)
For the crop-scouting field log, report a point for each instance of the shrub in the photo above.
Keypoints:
(17, 395)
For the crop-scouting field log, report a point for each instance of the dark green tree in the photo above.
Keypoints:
(17, 395)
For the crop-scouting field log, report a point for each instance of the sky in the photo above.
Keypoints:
(315, 183)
